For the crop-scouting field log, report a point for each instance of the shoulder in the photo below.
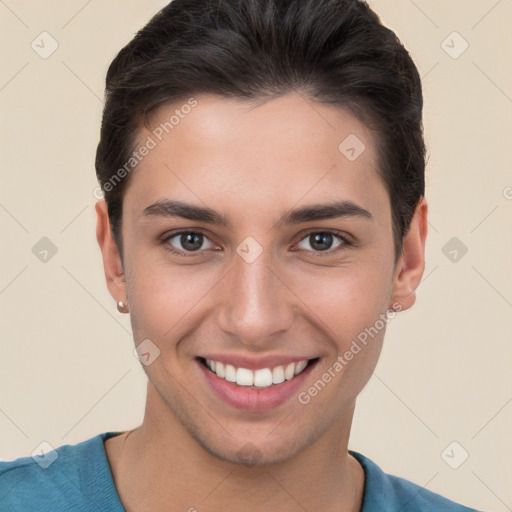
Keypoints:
(389, 493)
(58, 480)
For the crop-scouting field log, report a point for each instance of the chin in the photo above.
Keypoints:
(258, 453)
(250, 455)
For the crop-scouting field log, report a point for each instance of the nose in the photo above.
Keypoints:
(255, 303)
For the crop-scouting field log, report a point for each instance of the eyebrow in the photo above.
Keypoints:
(180, 209)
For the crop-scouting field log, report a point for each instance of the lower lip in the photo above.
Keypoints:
(255, 400)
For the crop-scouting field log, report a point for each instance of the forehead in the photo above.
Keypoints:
(254, 155)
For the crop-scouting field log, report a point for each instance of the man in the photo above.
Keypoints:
(263, 169)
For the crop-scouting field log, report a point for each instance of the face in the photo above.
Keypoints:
(252, 270)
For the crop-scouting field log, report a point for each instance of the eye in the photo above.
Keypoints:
(186, 243)
(324, 241)
(192, 243)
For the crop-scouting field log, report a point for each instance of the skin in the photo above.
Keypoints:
(253, 161)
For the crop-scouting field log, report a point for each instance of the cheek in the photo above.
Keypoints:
(346, 300)
(162, 298)
(351, 307)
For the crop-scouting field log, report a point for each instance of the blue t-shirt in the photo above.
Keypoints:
(78, 478)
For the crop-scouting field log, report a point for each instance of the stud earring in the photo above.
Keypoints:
(122, 307)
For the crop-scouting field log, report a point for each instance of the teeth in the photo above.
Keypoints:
(290, 371)
(262, 378)
(220, 369)
(277, 375)
(230, 373)
(244, 377)
(300, 366)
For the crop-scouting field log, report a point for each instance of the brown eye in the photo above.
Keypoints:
(186, 242)
(323, 241)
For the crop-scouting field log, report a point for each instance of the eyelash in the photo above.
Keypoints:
(345, 242)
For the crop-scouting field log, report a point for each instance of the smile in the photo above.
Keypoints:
(257, 379)
(269, 382)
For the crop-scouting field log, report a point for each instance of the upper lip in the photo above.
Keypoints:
(256, 363)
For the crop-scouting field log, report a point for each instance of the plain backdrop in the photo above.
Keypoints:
(67, 369)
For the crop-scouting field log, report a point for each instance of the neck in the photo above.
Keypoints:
(161, 463)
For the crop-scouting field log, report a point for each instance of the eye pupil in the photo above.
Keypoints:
(188, 239)
(320, 238)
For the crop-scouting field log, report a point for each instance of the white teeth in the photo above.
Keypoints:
(278, 375)
(262, 378)
(230, 373)
(290, 371)
(244, 377)
(299, 367)
(220, 369)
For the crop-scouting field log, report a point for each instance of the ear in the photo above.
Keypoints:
(411, 264)
(112, 263)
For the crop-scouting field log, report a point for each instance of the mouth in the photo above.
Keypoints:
(265, 386)
(261, 378)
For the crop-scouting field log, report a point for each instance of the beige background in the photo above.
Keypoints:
(67, 371)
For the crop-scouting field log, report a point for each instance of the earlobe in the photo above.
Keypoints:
(112, 263)
(411, 264)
